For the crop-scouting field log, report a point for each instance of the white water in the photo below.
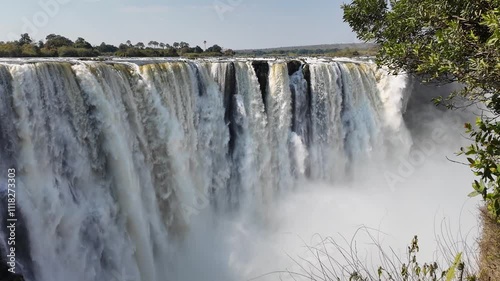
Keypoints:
(187, 171)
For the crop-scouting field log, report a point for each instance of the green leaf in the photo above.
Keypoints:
(474, 194)
(451, 272)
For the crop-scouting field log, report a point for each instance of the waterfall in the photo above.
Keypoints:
(115, 158)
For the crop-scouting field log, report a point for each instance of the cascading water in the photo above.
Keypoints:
(115, 158)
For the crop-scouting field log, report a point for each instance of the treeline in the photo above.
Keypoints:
(60, 46)
(336, 52)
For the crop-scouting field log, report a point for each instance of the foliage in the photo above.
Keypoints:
(229, 52)
(335, 52)
(76, 52)
(445, 41)
(30, 50)
(25, 39)
(60, 46)
(54, 41)
(107, 49)
(10, 49)
(81, 43)
(485, 163)
(215, 49)
(140, 45)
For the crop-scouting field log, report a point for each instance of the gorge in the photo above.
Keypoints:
(120, 162)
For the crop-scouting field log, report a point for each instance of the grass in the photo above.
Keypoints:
(339, 260)
(489, 259)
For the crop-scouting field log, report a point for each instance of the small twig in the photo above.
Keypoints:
(453, 161)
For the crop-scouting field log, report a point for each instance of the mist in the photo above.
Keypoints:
(423, 193)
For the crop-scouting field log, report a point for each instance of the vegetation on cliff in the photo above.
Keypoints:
(449, 41)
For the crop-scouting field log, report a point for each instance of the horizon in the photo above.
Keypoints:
(242, 22)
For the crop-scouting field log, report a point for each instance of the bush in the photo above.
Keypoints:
(67, 52)
(83, 52)
(29, 50)
(46, 52)
(10, 50)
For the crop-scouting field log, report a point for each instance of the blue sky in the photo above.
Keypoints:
(236, 24)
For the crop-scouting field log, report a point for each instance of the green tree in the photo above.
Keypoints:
(198, 50)
(229, 52)
(215, 49)
(25, 39)
(445, 41)
(10, 49)
(56, 41)
(82, 43)
(106, 48)
(29, 50)
(140, 45)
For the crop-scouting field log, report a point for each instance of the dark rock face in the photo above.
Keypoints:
(8, 135)
(262, 71)
(307, 76)
(201, 87)
(9, 146)
(11, 277)
(23, 257)
(5, 275)
(293, 66)
(229, 92)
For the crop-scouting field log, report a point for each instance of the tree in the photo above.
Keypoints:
(445, 41)
(176, 45)
(153, 44)
(162, 45)
(105, 48)
(215, 49)
(54, 41)
(29, 50)
(25, 39)
(140, 45)
(82, 43)
(129, 43)
(229, 52)
(198, 50)
(205, 44)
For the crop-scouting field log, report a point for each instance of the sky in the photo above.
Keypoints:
(236, 24)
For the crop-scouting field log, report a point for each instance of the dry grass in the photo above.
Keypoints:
(339, 259)
(490, 248)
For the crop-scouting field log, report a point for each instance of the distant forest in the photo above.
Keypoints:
(326, 50)
(60, 46)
